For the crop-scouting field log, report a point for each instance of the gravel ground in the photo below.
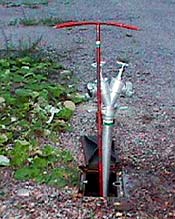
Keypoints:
(145, 133)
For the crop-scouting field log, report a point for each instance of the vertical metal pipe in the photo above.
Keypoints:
(106, 153)
(99, 111)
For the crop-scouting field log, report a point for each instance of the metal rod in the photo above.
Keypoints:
(99, 111)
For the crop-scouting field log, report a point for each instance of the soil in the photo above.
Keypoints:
(145, 133)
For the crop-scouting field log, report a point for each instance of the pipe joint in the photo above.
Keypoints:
(108, 115)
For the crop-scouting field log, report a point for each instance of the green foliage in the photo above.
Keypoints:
(27, 173)
(65, 114)
(63, 176)
(52, 166)
(77, 98)
(20, 152)
(27, 99)
(3, 138)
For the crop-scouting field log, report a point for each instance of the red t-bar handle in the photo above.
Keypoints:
(109, 23)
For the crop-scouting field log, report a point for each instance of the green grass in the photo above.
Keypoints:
(50, 21)
(26, 3)
(33, 3)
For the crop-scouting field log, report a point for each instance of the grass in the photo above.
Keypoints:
(34, 3)
(49, 21)
(26, 3)
(24, 47)
(27, 21)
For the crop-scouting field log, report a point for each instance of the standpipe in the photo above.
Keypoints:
(104, 125)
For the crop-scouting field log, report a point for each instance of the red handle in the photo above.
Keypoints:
(80, 23)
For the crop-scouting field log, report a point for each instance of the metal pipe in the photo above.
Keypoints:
(107, 142)
(105, 92)
(110, 94)
(116, 88)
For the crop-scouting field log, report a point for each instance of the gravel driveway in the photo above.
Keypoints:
(145, 133)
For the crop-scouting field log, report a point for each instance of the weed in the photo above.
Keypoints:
(27, 101)
(51, 21)
(34, 3)
(28, 46)
(23, 47)
(26, 3)
(6, 40)
(28, 21)
(55, 168)
(48, 21)
(25, 20)
(10, 3)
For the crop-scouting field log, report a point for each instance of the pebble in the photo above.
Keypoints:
(119, 214)
(69, 105)
(2, 100)
(23, 192)
(4, 161)
(66, 72)
(2, 209)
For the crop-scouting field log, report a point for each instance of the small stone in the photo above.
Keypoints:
(128, 35)
(4, 161)
(2, 100)
(156, 109)
(31, 205)
(66, 72)
(47, 132)
(3, 138)
(117, 204)
(13, 119)
(70, 105)
(2, 209)
(119, 214)
(25, 67)
(23, 192)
